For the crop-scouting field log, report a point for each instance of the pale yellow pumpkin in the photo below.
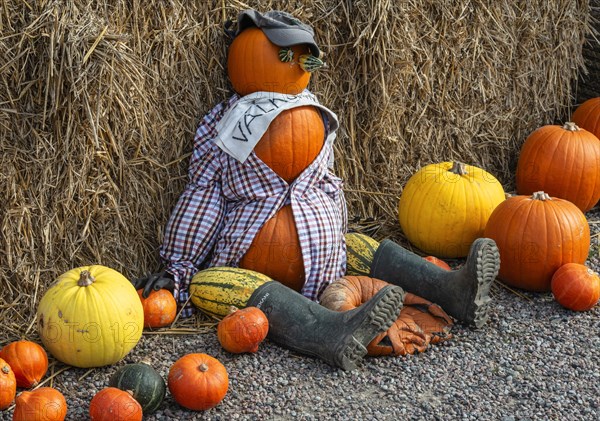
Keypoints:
(91, 317)
(444, 207)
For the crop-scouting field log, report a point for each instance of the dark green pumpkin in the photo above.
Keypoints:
(147, 385)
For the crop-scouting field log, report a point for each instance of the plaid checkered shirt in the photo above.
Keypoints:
(226, 202)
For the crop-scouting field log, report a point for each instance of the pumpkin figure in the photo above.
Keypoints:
(43, 404)
(587, 116)
(444, 207)
(112, 404)
(562, 161)
(159, 307)
(535, 236)
(576, 287)
(92, 316)
(28, 361)
(243, 330)
(198, 381)
(8, 385)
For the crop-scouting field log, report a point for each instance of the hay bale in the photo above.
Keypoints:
(589, 79)
(99, 103)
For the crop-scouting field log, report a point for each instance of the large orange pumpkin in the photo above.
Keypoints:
(576, 287)
(292, 141)
(562, 161)
(253, 65)
(535, 236)
(587, 116)
(276, 252)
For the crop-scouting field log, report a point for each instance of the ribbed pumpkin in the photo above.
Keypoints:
(253, 65)
(360, 249)
(28, 361)
(91, 317)
(293, 140)
(215, 290)
(276, 252)
(563, 161)
(44, 404)
(8, 385)
(145, 383)
(587, 116)
(535, 236)
(576, 287)
(444, 207)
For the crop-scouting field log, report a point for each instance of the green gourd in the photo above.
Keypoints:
(146, 384)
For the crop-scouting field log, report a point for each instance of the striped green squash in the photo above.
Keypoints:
(360, 249)
(215, 290)
(146, 384)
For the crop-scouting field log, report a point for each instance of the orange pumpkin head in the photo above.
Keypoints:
(587, 116)
(28, 361)
(8, 385)
(276, 252)
(562, 161)
(535, 236)
(160, 308)
(243, 330)
(112, 403)
(254, 64)
(198, 381)
(45, 403)
(576, 287)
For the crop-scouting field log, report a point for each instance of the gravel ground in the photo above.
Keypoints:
(533, 360)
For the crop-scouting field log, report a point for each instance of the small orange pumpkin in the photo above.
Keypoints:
(437, 262)
(587, 116)
(160, 308)
(28, 360)
(198, 381)
(292, 141)
(243, 330)
(253, 65)
(576, 287)
(8, 385)
(44, 404)
(112, 404)
(276, 252)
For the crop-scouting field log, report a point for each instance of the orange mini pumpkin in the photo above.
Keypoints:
(276, 252)
(437, 262)
(28, 361)
(243, 330)
(198, 381)
(576, 287)
(160, 308)
(112, 404)
(8, 385)
(253, 65)
(44, 404)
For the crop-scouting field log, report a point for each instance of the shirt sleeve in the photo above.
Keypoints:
(197, 218)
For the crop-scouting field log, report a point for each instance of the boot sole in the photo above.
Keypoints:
(386, 306)
(488, 265)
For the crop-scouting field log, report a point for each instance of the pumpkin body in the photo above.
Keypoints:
(112, 404)
(160, 308)
(587, 116)
(145, 383)
(243, 330)
(253, 65)
(276, 252)
(43, 404)
(92, 316)
(437, 262)
(215, 290)
(198, 381)
(564, 162)
(360, 249)
(28, 361)
(576, 287)
(292, 141)
(444, 207)
(8, 385)
(535, 236)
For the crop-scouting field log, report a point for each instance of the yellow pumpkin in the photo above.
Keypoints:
(90, 317)
(444, 207)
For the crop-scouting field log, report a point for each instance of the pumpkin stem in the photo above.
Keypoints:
(540, 195)
(233, 309)
(458, 168)
(85, 279)
(6, 369)
(570, 126)
(203, 367)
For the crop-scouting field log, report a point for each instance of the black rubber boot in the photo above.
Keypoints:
(338, 338)
(462, 293)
